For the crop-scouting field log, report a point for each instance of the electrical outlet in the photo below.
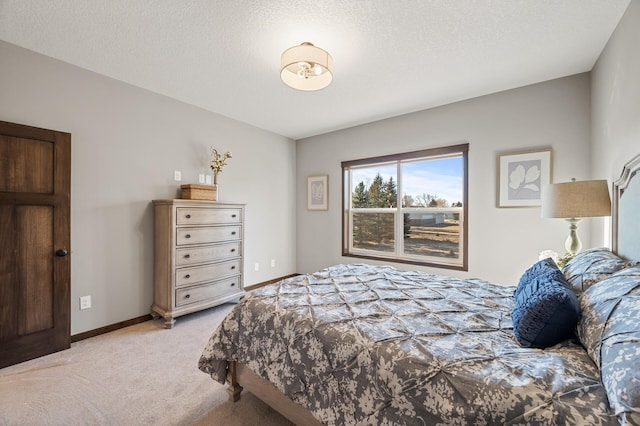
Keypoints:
(273, 263)
(85, 302)
(257, 266)
(201, 178)
(177, 175)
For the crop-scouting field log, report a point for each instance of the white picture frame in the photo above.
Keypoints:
(521, 176)
(318, 192)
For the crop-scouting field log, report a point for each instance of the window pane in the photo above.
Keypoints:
(408, 207)
(434, 234)
(432, 182)
(375, 187)
(374, 231)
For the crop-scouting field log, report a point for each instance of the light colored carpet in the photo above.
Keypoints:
(139, 375)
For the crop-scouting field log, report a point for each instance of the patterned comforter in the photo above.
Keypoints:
(361, 344)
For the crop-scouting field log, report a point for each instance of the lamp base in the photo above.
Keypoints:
(573, 243)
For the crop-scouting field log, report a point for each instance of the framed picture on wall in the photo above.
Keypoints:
(521, 177)
(317, 192)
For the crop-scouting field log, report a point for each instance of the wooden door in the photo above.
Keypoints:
(35, 188)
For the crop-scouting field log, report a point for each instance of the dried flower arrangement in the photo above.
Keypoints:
(218, 161)
(561, 261)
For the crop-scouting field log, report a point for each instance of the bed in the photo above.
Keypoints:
(363, 344)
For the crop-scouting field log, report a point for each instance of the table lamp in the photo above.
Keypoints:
(575, 200)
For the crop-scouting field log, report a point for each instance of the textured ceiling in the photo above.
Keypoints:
(391, 57)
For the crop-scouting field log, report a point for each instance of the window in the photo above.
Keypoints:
(408, 208)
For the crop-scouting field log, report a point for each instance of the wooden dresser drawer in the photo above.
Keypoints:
(192, 255)
(196, 274)
(198, 250)
(206, 216)
(185, 296)
(207, 234)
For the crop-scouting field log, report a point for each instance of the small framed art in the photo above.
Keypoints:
(521, 177)
(317, 192)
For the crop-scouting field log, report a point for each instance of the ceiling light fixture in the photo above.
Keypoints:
(306, 67)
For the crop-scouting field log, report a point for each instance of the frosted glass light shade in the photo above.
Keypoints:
(306, 67)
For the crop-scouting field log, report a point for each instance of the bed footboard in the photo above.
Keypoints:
(243, 377)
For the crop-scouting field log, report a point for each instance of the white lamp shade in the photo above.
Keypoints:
(589, 198)
(318, 61)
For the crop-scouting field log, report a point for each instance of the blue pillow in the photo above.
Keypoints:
(546, 310)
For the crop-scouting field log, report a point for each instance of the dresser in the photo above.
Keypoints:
(198, 259)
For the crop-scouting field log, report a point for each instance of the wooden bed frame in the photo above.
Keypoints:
(243, 377)
(626, 245)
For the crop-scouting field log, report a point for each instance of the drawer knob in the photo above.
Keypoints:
(186, 296)
(188, 216)
(187, 256)
(233, 250)
(188, 236)
(233, 232)
(233, 267)
(187, 276)
(233, 284)
(234, 215)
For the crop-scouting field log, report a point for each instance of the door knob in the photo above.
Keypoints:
(62, 253)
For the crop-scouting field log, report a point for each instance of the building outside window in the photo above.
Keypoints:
(408, 208)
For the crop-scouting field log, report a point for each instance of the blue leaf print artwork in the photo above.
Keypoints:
(524, 180)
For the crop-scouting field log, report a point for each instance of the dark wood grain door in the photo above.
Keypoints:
(35, 269)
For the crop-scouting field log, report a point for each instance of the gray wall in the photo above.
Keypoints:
(126, 143)
(502, 242)
(615, 86)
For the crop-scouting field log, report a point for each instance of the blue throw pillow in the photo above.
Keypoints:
(546, 309)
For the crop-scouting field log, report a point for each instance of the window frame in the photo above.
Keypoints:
(460, 149)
